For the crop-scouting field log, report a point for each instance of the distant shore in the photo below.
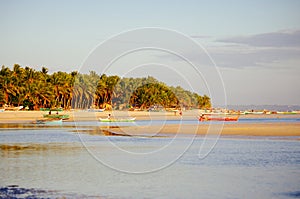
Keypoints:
(251, 129)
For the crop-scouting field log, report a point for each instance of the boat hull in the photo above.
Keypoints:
(55, 116)
(116, 120)
(50, 122)
(96, 110)
(225, 119)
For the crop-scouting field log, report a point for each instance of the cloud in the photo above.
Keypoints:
(236, 56)
(277, 50)
(272, 39)
(231, 57)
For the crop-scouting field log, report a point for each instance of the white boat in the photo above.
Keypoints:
(117, 120)
(254, 112)
(8, 108)
(287, 112)
(97, 110)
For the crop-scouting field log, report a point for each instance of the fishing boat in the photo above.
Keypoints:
(254, 112)
(49, 121)
(51, 109)
(97, 110)
(226, 119)
(117, 120)
(56, 116)
(8, 108)
(287, 112)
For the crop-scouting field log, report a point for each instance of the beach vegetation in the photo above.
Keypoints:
(35, 89)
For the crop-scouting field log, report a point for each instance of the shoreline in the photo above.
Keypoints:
(231, 129)
(24, 116)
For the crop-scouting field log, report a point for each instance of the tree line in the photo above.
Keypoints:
(25, 86)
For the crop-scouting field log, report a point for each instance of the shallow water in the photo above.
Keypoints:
(56, 162)
(187, 121)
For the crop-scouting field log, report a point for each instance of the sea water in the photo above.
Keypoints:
(57, 161)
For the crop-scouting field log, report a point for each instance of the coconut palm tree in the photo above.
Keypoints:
(6, 84)
(26, 86)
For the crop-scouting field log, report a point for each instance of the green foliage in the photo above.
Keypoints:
(125, 88)
(153, 94)
(38, 89)
(35, 89)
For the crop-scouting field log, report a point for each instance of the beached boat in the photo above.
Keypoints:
(215, 113)
(117, 120)
(51, 109)
(8, 108)
(56, 116)
(97, 110)
(287, 112)
(254, 112)
(49, 121)
(226, 119)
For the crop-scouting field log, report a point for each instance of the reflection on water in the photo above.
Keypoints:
(51, 162)
(16, 150)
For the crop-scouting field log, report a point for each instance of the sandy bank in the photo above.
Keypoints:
(251, 129)
(268, 129)
(27, 116)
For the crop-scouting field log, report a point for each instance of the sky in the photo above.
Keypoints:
(237, 52)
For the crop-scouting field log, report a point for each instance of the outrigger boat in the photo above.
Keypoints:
(56, 116)
(97, 110)
(117, 120)
(8, 108)
(226, 119)
(286, 112)
(51, 109)
(49, 121)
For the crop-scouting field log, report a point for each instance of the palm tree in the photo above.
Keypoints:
(26, 86)
(153, 94)
(6, 84)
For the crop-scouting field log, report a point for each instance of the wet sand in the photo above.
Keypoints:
(251, 129)
(268, 129)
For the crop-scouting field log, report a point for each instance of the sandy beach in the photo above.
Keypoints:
(27, 116)
(268, 129)
(251, 129)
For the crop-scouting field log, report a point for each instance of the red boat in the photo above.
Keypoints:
(227, 119)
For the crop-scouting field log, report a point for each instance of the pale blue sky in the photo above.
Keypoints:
(241, 36)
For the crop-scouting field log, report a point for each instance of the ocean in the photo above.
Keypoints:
(57, 162)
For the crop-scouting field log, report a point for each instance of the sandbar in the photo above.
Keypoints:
(243, 129)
